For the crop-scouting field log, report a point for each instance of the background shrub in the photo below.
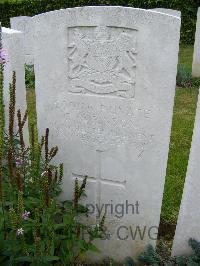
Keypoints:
(188, 8)
(184, 77)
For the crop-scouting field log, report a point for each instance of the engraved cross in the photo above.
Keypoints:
(99, 179)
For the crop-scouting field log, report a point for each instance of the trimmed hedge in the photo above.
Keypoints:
(188, 8)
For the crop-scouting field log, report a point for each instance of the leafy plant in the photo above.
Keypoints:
(153, 257)
(36, 228)
(184, 77)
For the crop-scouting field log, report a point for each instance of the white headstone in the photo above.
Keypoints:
(24, 25)
(105, 85)
(12, 42)
(196, 54)
(172, 12)
(188, 221)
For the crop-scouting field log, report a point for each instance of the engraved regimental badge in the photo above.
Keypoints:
(102, 63)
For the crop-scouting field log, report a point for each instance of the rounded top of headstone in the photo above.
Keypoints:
(115, 12)
(172, 12)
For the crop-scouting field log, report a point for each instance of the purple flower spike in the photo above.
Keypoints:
(25, 215)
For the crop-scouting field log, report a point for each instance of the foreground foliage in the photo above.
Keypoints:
(156, 257)
(36, 228)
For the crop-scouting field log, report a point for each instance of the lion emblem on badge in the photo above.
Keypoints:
(102, 64)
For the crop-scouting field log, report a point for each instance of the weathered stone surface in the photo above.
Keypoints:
(23, 24)
(12, 42)
(196, 54)
(188, 221)
(105, 83)
(172, 12)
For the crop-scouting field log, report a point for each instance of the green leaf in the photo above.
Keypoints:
(23, 259)
(52, 258)
(59, 226)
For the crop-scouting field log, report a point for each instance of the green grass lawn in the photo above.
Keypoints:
(182, 128)
(185, 56)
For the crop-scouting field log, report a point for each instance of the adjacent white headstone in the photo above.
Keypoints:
(12, 42)
(196, 54)
(188, 221)
(172, 12)
(105, 85)
(24, 25)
